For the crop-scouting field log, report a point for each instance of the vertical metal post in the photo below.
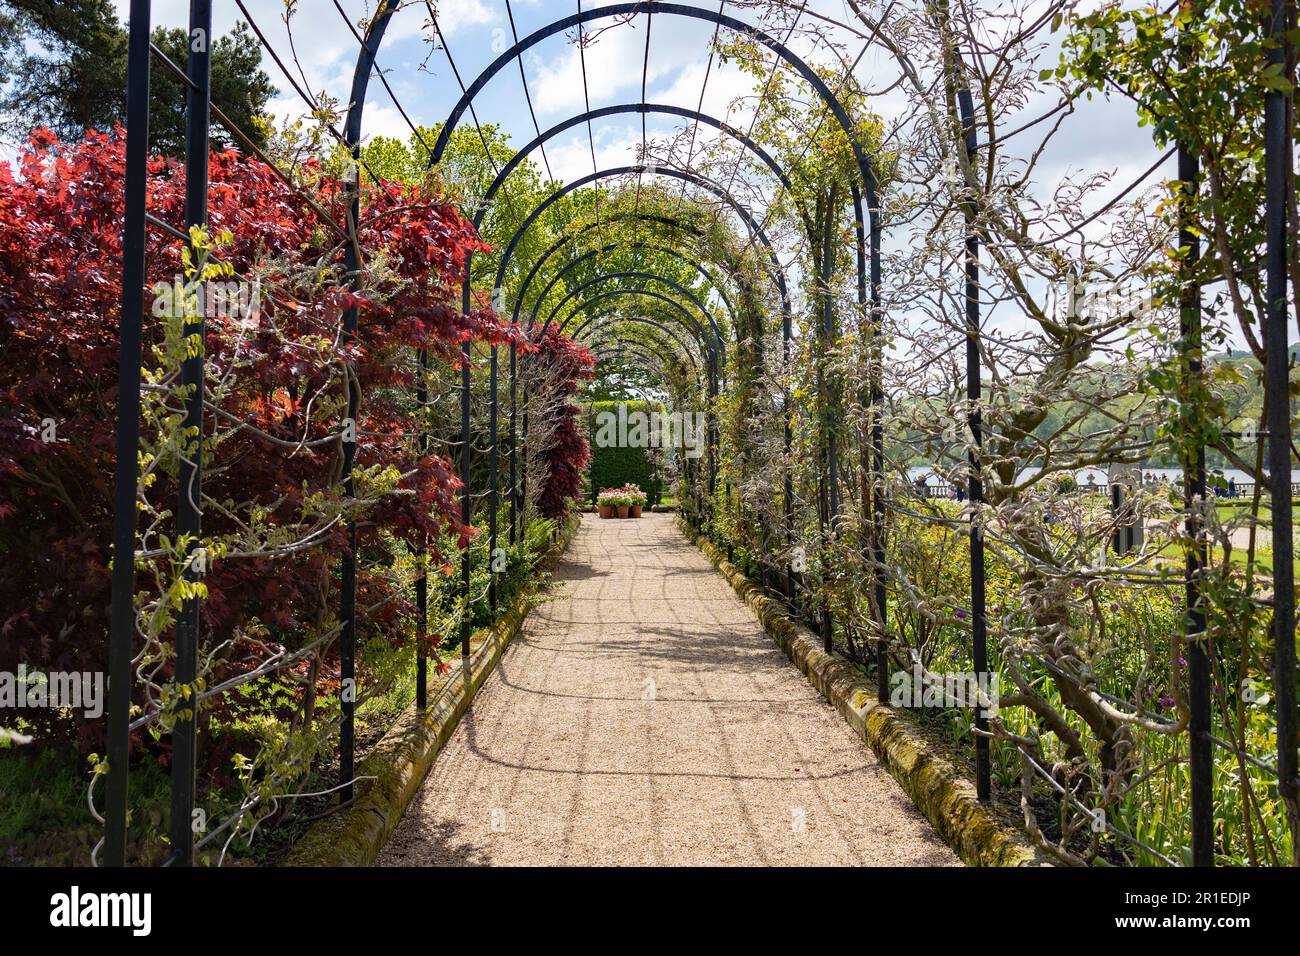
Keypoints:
(711, 430)
(126, 468)
(1278, 171)
(1200, 747)
(824, 394)
(1199, 677)
(189, 508)
(828, 328)
(465, 462)
(873, 454)
(514, 445)
(492, 482)
(422, 582)
(351, 325)
(348, 563)
(878, 454)
(1116, 509)
(523, 467)
(975, 480)
(787, 480)
(421, 638)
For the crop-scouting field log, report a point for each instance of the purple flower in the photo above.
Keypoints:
(1166, 701)
(961, 615)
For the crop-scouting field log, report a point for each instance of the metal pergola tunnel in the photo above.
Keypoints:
(675, 323)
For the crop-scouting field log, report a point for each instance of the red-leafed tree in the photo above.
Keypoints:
(562, 450)
(272, 490)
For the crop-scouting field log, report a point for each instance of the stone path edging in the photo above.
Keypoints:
(936, 785)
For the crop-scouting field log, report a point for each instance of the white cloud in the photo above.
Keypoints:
(381, 119)
(616, 145)
(724, 86)
(453, 17)
(614, 61)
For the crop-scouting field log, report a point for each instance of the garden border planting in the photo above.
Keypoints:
(399, 762)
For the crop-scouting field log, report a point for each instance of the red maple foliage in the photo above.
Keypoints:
(568, 451)
(60, 272)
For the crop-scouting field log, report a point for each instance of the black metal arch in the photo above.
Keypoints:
(684, 175)
(711, 378)
(649, 7)
(773, 268)
(653, 247)
(619, 349)
(641, 392)
(662, 328)
(708, 350)
(718, 341)
(646, 361)
(559, 128)
(624, 10)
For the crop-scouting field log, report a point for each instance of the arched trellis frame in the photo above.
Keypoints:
(773, 269)
(618, 347)
(126, 473)
(650, 7)
(704, 367)
(772, 266)
(486, 202)
(1277, 155)
(719, 342)
(713, 351)
(711, 427)
(577, 261)
(533, 216)
(622, 350)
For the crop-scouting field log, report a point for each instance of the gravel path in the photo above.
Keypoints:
(642, 717)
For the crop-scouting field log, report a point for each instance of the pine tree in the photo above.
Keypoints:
(63, 65)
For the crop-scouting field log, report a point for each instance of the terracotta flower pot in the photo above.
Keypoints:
(634, 511)
(607, 511)
(622, 511)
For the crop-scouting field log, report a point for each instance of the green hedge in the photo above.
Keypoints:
(615, 467)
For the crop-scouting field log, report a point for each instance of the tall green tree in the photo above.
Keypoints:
(63, 65)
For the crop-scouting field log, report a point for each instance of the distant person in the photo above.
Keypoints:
(1232, 487)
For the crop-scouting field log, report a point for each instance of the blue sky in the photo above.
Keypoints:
(1100, 135)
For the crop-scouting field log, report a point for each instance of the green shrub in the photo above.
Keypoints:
(615, 467)
(521, 558)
